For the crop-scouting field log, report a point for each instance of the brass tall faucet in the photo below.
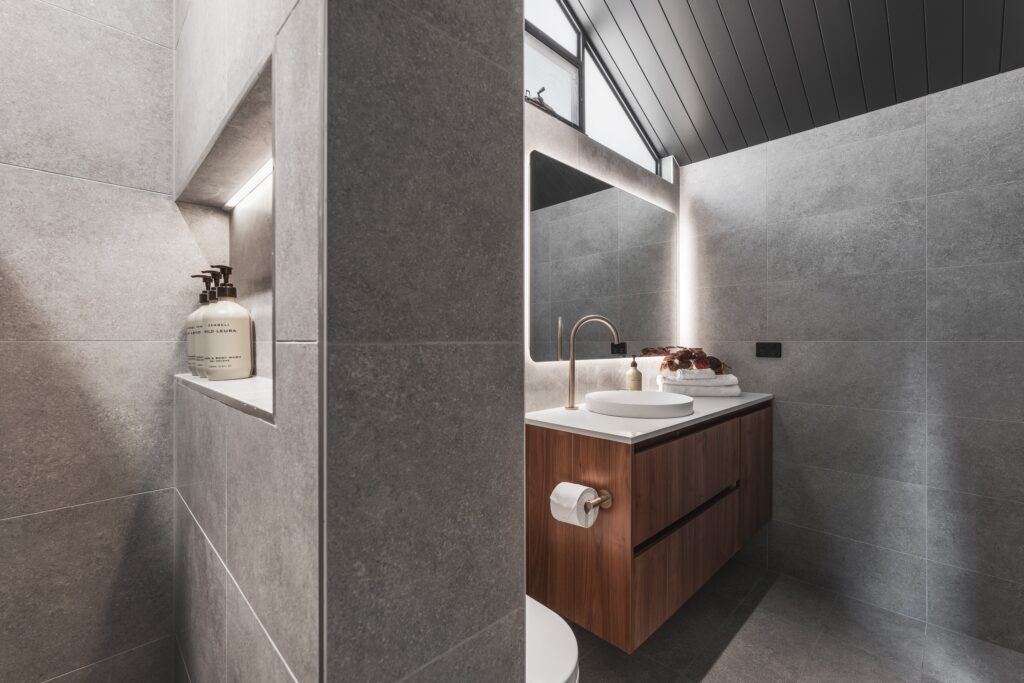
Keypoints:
(572, 351)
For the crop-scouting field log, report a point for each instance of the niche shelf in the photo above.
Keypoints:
(254, 395)
(235, 183)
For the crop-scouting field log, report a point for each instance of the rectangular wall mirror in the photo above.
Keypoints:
(595, 248)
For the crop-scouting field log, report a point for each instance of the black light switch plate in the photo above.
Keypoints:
(768, 349)
(619, 348)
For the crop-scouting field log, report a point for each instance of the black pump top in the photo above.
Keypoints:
(204, 296)
(216, 275)
(226, 288)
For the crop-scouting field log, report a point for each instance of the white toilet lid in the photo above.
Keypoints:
(551, 653)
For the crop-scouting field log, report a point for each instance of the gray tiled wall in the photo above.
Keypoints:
(247, 569)
(424, 342)
(247, 524)
(609, 253)
(84, 583)
(64, 67)
(886, 251)
(94, 292)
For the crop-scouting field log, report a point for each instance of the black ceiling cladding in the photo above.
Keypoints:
(709, 76)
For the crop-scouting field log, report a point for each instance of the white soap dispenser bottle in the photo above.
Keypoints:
(200, 345)
(193, 326)
(227, 332)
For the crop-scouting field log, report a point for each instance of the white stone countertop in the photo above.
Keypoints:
(633, 430)
(254, 395)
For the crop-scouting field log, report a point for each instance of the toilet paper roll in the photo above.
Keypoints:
(567, 501)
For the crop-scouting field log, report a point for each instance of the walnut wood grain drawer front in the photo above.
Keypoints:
(674, 478)
(668, 572)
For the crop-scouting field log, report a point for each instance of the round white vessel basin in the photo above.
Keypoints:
(650, 404)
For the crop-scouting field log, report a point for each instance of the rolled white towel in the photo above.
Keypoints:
(716, 381)
(706, 373)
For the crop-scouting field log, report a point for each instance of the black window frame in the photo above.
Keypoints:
(585, 50)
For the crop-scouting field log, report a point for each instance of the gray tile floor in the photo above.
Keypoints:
(749, 624)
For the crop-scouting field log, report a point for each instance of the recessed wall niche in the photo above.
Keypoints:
(236, 179)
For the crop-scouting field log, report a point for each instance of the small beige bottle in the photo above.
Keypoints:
(634, 378)
(227, 333)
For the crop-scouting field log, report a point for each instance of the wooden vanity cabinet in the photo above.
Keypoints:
(683, 504)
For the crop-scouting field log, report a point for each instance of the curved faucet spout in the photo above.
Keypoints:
(571, 405)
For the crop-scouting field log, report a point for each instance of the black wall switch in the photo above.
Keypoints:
(768, 349)
(619, 348)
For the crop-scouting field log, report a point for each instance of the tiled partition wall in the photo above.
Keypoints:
(246, 577)
(89, 339)
(424, 453)
(886, 252)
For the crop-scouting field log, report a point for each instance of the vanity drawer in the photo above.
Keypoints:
(675, 478)
(667, 573)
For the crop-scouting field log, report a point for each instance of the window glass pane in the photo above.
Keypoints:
(607, 122)
(547, 15)
(560, 79)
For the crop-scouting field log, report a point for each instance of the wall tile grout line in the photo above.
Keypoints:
(977, 573)
(174, 530)
(113, 28)
(457, 645)
(767, 263)
(799, 463)
(846, 407)
(882, 341)
(898, 552)
(181, 658)
(378, 344)
(968, 265)
(927, 336)
(107, 659)
(91, 502)
(851, 539)
(92, 341)
(175, 34)
(84, 179)
(237, 587)
(982, 496)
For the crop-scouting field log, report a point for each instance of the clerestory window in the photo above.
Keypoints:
(564, 77)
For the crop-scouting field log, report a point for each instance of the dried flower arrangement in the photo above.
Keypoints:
(684, 358)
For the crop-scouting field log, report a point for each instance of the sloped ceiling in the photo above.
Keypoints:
(706, 77)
